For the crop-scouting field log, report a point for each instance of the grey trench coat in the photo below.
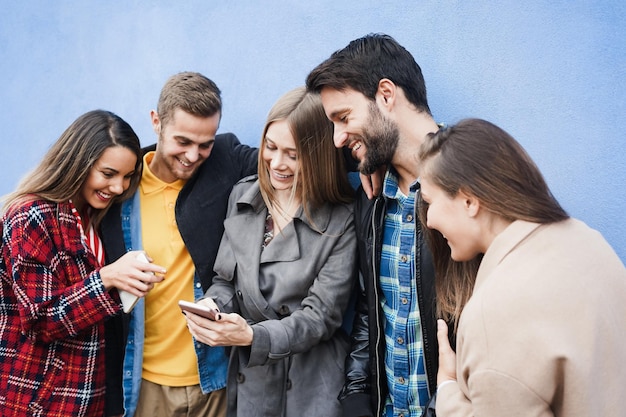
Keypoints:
(293, 294)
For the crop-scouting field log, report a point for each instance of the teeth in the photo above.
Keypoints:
(187, 164)
(357, 146)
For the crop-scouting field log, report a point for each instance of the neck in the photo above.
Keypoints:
(283, 209)
(493, 225)
(413, 127)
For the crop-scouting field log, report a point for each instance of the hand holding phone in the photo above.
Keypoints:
(129, 300)
(199, 309)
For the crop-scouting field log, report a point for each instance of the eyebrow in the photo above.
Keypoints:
(186, 139)
(267, 138)
(105, 167)
(337, 113)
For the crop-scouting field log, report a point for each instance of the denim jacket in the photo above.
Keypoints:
(212, 361)
(200, 212)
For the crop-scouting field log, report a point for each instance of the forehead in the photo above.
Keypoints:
(280, 134)
(335, 101)
(118, 158)
(193, 127)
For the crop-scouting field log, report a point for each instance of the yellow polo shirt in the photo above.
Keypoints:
(168, 357)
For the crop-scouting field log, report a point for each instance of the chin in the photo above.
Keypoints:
(459, 257)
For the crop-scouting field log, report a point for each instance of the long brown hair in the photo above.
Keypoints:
(322, 176)
(64, 168)
(479, 158)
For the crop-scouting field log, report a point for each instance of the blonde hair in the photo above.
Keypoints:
(321, 176)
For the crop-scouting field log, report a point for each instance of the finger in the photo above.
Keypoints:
(366, 183)
(208, 302)
(442, 336)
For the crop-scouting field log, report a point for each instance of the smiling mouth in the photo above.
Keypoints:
(281, 176)
(183, 163)
(354, 148)
(104, 196)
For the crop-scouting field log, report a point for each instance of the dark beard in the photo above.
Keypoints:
(381, 141)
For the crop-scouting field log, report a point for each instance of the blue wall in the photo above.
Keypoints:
(551, 73)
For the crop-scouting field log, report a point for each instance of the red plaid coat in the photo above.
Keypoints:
(52, 311)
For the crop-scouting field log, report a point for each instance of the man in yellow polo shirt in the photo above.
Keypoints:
(176, 216)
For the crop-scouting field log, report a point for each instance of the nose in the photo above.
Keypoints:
(192, 154)
(340, 138)
(117, 185)
(277, 160)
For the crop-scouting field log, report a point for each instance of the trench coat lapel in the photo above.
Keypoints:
(244, 230)
(248, 221)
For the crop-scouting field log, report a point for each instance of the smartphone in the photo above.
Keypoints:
(198, 309)
(129, 300)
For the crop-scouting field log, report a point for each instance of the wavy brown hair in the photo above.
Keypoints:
(64, 168)
(480, 159)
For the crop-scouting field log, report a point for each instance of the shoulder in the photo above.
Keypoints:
(226, 141)
(229, 155)
(343, 211)
(37, 208)
(246, 188)
(247, 180)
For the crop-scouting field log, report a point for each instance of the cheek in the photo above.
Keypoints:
(205, 153)
(267, 158)
(126, 183)
(90, 182)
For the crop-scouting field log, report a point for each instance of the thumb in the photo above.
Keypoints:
(442, 336)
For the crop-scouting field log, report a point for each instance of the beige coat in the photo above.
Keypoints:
(544, 333)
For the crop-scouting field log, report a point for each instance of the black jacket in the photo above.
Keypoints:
(200, 213)
(365, 389)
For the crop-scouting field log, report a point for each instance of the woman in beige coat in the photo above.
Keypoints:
(285, 271)
(542, 330)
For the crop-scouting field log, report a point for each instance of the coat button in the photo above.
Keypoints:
(240, 378)
(288, 384)
(239, 294)
(283, 310)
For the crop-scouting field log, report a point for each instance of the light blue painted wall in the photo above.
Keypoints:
(552, 73)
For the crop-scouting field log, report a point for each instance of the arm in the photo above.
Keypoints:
(492, 392)
(318, 318)
(321, 312)
(354, 396)
(244, 157)
(44, 260)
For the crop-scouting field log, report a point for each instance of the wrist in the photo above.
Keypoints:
(444, 383)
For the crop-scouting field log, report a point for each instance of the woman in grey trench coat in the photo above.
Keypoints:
(285, 271)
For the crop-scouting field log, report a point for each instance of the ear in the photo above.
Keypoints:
(470, 203)
(386, 93)
(156, 122)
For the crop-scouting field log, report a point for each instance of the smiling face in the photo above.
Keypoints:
(360, 126)
(185, 142)
(109, 177)
(280, 155)
(454, 217)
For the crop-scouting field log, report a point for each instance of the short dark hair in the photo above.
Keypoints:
(364, 62)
